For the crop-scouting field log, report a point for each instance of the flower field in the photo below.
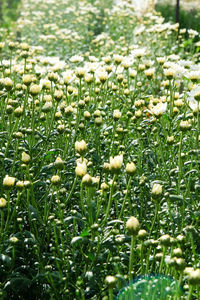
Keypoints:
(99, 154)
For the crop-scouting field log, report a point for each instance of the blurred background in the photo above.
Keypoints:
(189, 12)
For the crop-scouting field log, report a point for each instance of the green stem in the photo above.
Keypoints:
(155, 217)
(110, 291)
(189, 297)
(125, 198)
(180, 160)
(109, 201)
(131, 258)
(162, 260)
(72, 190)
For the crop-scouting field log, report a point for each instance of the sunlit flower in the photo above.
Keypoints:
(8, 181)
(3, 203)
(81, 146)
(116, 163)
(81, 169)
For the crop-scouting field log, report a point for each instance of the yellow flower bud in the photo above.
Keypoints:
(81, 169)
(194, 277)
(3, 202)
(87, 180)
(13, 239)
(110, 281)
(25, 158)
(116, 163)
(130, 168)
(35, 89)
(133, 226)
(55, 179)
(117, 114)
(27, 79)
(8, 181)
(156, 191)
(80, 147)
(59, 163)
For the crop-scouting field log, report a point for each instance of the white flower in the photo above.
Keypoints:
(158, 109)
(116, 162)
(76, 59)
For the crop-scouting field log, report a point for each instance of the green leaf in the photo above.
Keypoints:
(76, 240)
(91, 256)
(85, 232)
(5, 259)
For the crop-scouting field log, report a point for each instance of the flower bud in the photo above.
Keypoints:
(184, 125)
(133, 226)
(104, 186)
(117, 114)
(156, 191)
(106, 167)
(20, 185)
(13, 239)
(25, 158)
(116, 163)
(81, 169)
(8, 181)
(142, 234)
(80, 147)
(58, 95)
(179, 263)
(110, 281)
(177, 252)
(130, 168)
(165, 240)
(170, 140)
(27, 79)
(35, 89)
(87, 180)
(59, 163)
(55, 179)
(194, 277)
(9, 109)
(169, 73)
(18, 112)
(3, 202)
(8, 83)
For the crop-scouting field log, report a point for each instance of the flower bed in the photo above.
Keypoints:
(99, 154)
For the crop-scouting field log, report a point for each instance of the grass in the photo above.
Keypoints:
(99, 161)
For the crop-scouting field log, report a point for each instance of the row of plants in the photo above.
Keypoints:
(99, 161)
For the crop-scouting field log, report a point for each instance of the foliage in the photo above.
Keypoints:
(189, 19)
(99, 153)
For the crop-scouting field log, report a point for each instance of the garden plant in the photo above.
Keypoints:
(99, 154)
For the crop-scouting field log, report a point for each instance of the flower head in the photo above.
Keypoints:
(80, 147)
(116, 163)
(8, 181)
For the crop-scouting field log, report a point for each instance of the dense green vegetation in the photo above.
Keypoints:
(189, 19)
(99, 154)
(8, 12)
